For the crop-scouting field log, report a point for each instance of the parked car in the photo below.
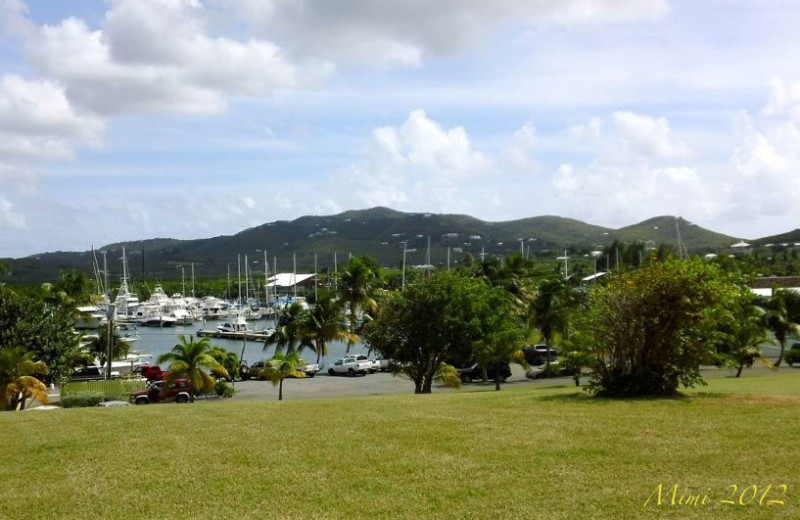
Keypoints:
(151, 372)
(537, 354)
(385, 365)
(91, 373)
(177, 391)
(793, 356)
(374, 365)
(253, 371)
(493, 371)
(350, 366)
(536, 372)
(309, 369)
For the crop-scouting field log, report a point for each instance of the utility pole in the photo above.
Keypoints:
(315, 277)
(110, 316)
(403, 285)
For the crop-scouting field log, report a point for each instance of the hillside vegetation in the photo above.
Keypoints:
(377, 232)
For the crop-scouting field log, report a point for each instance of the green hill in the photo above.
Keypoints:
(377, 232)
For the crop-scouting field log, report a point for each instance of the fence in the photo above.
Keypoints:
(114, 389)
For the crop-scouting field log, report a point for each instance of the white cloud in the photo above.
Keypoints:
(157, 55)
(402, 32)
(9, 216)
(647, 135)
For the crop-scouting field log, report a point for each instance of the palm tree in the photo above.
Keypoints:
(98, 347)
(782, 316)
(324, 323)
(282, 366)
(356, 287)
(548, 309)
(289, 329)
(739, 342)
(229, 360)
(17, 382)
(187, 359)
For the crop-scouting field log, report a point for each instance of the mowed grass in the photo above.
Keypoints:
(529, 451)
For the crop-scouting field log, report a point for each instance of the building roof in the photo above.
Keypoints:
(288, 279)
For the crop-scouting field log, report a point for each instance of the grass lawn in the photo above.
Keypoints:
(529, 451)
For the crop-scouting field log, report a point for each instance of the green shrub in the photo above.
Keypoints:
(82, 400)
(223, 389)
(792, 357)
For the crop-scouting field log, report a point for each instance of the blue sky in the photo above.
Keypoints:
(131, 119)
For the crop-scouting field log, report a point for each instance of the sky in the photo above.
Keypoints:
(132, 119)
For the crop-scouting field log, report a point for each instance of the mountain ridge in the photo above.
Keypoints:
(379, 232)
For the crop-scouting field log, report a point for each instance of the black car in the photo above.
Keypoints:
(92, 373)
(252, 371)
(537, 355)
(494, 371)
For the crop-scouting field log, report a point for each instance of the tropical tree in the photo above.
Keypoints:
(738, 342)
(17, 378)
(43, 329)
(281, 366)
(356, 287)
(229, 361)
(98, 347)
(324, 324)
(188, 359)
(782, 317)
(290, 329)
(548, 307)
(446, 318)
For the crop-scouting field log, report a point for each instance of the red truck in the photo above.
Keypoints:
(160, 392)
(153, 372)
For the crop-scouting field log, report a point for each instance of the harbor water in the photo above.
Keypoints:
(154, 341)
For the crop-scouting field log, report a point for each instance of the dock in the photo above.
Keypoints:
(249, 335)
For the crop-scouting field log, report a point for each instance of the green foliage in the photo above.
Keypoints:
(228, 360)
(17, 381)
(111, 390)
(82, 400)
(188, 359)
(282, 366)
(356, 286)
(290, 329)
(792, 357)
(98, 347)
(43, 329)
(738, 338)
(652, 327)
(446, 318)
(223, 389)
(324, 324)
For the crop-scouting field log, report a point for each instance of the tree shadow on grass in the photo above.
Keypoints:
(584, 397)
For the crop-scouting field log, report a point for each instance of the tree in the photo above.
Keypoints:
(229, 361)
(324, 324)
(282, 366)
(289, 329)
(652, 326)
(356, 286)
(782, 317)
(548, 309)
(45, 330)
(738, 342)
(98, 347)
(187, 359)
(446, 318)
(17, 381)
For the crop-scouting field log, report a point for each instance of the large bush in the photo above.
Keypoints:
(652, 327)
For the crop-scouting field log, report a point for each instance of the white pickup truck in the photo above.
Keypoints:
(351, 366)
(309, 369)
